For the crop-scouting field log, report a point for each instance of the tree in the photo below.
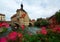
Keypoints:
(57, 15)
(37, 24)
(44, 22)
(41, 22)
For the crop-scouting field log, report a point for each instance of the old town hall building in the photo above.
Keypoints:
(21, 17)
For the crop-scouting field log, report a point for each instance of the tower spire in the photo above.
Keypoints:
(21, 6)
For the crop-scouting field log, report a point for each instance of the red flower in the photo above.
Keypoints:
(0, 24)
(12, 36)
(56, 29)
(51, 26)
(5, 24)
(43, 31)
(4, 39)
(23, 27)
(43, 27)
(20, 35)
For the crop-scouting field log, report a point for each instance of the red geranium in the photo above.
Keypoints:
(3, 39)
(56, 29)
(20, 35)
(23, 27)
(43, 31)
(0, 24)
(4, 24)
(43, 27)
(12, 36)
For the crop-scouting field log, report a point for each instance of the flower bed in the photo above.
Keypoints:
(21, 35)
(4, 29)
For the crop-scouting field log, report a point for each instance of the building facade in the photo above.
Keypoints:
(21, 17)
(2, 17)
(52, 21)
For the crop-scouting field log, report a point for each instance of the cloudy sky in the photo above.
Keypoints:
(35, 8)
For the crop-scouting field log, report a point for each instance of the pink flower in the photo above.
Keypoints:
(12, 36)
(43, 31)
(51, 26)
(4, 39)
(43, 27)
(0, 24)
(23, 27)
(56, 29)
(20, 35)
(5, 24)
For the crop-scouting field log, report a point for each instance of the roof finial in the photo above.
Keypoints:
(21, 6)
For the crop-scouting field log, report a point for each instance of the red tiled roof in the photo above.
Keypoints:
(21, 10)
(51, 17)
(14, 16)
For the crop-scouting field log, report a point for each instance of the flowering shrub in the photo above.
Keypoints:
(22, 27)
(12, 35)
(3, 39)
(43, 35)
(4, 24)
(3, 31)
(20, 35)
(3, 27)
(43, 31)
(56, 29)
